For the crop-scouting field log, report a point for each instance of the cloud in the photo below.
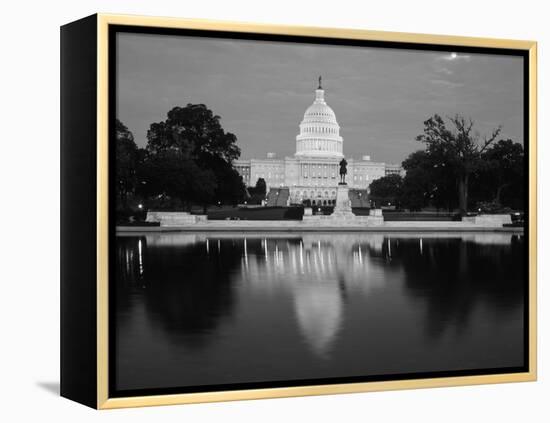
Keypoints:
(446, 83)
(261, 89)
(446, 71)
(452, 57)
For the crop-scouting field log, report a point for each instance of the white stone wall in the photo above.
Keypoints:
(272, 170)
(175, 218)
(309, 178)
(394, 169)
(292, 172)
(361, 173)
(489, 220)
(243, 167)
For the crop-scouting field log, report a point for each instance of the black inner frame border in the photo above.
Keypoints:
(113, 30)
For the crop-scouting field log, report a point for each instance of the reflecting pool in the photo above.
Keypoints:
(196, 309)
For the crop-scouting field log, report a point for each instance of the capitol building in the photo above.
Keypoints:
(313, 173)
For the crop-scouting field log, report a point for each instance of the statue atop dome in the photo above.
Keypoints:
(320, 87)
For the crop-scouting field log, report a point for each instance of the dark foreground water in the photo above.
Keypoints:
(211, 309)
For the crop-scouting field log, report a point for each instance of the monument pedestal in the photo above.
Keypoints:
(342, 208)
(343, 215)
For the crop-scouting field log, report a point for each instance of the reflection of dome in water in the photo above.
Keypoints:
(319, 314)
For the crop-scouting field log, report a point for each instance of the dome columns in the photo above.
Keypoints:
(319, 131)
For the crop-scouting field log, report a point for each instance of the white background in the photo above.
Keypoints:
(29, 239)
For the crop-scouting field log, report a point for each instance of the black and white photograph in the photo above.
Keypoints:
(251, 212)
(292, 212)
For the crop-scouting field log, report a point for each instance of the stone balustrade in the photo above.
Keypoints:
(175, 218)
(489, 220)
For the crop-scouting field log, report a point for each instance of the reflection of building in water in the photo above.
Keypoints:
(129, 260)
(319, 312)
(314, 258)
(493, 239)
(174, 240)
(317, 271)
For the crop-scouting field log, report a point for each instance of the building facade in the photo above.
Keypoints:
(394, 169)
(313, 172)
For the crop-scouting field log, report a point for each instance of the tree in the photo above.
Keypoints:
(258, 192)
(427, 181)
(500, 178)
(196, 132)
(230, 186)
(190, 156)
(170, 174)
(126, 154)
(458, 148)
(261, 186)
(418, 184)
(387, 190)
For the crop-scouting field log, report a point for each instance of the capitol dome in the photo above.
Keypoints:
(319, 131)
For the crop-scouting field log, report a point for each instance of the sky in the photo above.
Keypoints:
(380, 96)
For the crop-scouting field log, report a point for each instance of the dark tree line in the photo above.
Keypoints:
(456, 170)
(126, 159)
(188, 160)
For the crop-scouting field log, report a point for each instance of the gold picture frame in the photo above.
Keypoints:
(103, 21)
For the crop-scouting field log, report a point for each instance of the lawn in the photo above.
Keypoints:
(259, 213)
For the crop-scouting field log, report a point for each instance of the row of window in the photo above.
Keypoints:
(328, 171)
(312, 194)
(312, 166)
(323, 202)
(322, 182)
(375, 169)
(322, 145)
(246, 169)
(269, 176)
(315, 129)
(392, 171)
(270, 167)
(319, 175)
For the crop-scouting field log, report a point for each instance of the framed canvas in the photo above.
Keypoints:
(257, 211)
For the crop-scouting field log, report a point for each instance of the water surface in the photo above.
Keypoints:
(198, 309)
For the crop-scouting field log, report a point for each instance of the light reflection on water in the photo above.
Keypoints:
(228, 308)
